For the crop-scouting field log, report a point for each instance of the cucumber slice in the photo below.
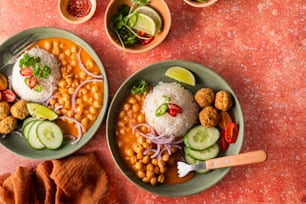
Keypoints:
(33, 140)
(200, 137)
(50, 134)
(191, 160)
(27, 127)
(205, 154)
(26, 121)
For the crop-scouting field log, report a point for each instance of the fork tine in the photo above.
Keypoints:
(21, 41)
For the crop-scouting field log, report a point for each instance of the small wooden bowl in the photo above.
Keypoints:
(159, 5)
(62, 8)
(200, 5)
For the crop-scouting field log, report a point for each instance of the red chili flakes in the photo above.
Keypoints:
(78, 8)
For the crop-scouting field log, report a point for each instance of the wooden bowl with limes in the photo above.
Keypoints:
(140, 28)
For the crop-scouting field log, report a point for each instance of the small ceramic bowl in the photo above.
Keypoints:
(194, 3)
(159, 5)
(63, 10)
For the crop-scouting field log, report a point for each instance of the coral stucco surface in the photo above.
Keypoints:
(258, 47)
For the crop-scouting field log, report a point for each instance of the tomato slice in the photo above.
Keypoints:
(172, 112)
(8, 95)
(224, 118)
(26, 72)
(231, 132)
(223, 144)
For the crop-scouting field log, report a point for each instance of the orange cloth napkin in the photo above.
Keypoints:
(75, 179)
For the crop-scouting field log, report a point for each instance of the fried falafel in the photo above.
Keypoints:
(4, 109)
(7, 125)
(223, 100)
(208, 116)
(204, 97)
(19, 110)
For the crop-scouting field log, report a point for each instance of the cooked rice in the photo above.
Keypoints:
(168, 125)
(48, 85)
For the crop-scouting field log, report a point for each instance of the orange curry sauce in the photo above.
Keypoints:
(89, 98)
(133, 146)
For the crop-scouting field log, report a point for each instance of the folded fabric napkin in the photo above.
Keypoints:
(75, 179)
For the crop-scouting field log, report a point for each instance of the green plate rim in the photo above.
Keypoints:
(17, 144)
(200, 182)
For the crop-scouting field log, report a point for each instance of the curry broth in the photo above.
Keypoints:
(91, 97)
(127, 140)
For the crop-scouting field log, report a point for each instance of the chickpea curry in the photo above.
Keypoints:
(79, 96)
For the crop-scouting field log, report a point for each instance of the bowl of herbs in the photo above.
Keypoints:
(137, 25)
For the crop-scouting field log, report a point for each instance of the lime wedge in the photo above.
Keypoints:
(41, 112)
(181, 74)
(151, 12)
(145, 24)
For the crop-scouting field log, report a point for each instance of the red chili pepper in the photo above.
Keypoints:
(223, 144)
(231, 132)
(144, 42)
(174, 109)
(26, 72)
(32, 82)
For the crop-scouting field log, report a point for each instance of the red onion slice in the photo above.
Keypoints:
(84, 69)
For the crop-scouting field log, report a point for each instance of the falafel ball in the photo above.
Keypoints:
(4, 109)
(208, 116)
(204, 97)
(223, 100)
(19, 110)
(7, 125)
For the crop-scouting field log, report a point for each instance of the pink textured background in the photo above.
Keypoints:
(258, 46)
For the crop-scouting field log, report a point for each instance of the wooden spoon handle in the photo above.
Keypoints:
(236, 160)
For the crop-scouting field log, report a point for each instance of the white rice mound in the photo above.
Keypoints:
(168, 125)
(48, 85)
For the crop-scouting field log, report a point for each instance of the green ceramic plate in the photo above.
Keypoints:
(153, 74)
(19, 145)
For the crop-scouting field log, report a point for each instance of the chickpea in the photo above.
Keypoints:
(47, 45)
(97, 104)
(154, 161)
(156, 170)
(140, 118)
(146, 179)
(92, 110)
(132, 100)
(141, 174)
(153, 181)
(67, 53)
(139, 156)
(126, 106)
(85, 122)
(91, 117)
(73, 49)
(165, 157)
(149, 174)
(136, 107)
(161, 178)
(133, 159)
(138, 165)
(146, 159)
(150, 167)
(141, 140)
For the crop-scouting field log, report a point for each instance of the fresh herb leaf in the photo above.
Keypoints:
(39, 71)
(141, 88)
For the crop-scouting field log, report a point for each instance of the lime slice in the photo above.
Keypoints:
(145, 24)
(149, 11)
(181, 74)
(41, 112)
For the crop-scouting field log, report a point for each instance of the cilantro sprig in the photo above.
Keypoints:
(39, 70)
(141, 88)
